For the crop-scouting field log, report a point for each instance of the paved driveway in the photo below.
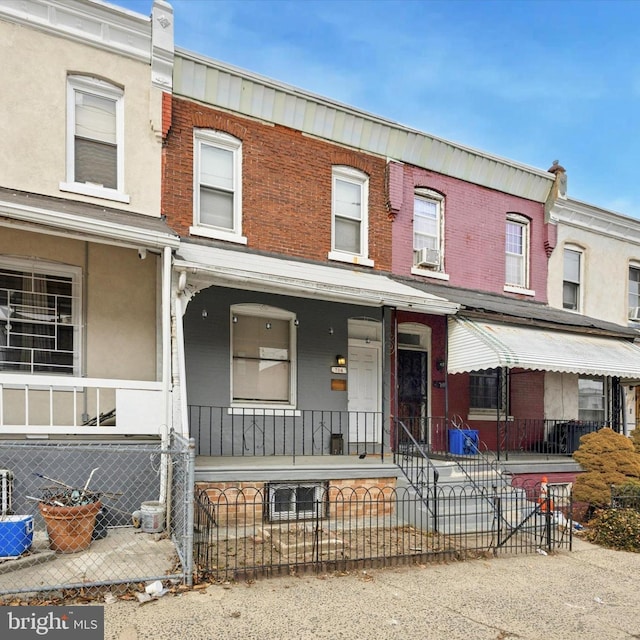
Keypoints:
(590, 593)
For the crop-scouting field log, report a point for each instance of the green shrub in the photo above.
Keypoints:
(607, 458)
(616, 528)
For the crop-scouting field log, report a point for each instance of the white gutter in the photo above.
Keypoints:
(166, 368)
(180, 357)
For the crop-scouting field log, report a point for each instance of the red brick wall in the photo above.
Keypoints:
(286, 184)
(475, 221)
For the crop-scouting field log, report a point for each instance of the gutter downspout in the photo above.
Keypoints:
(182, 375)
(166, 367)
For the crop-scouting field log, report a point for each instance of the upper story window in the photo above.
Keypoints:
(634, 292)
(428, 218)
(350, 216)
(39, 317)
(517, 251)
(571, 279)
(263, 356)
(217, 197)
(95, 139)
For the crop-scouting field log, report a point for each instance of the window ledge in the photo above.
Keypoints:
(511, 288)
(217, 234)
(478, 415)
(95, 191)
(350, 258)
(438, 275)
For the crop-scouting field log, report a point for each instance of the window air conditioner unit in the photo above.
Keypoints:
(634, 313)
(427, 257)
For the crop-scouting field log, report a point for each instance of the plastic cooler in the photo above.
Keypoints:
(463, 442)
(16, 535)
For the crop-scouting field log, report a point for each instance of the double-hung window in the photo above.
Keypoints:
(428, 213)
(517, 252)
(592, 400)
(350, 216)
(488, 393)
(634, 293)
(571, 279)
(263, 356)
(95, 138)
(217, 186)
(39, 317)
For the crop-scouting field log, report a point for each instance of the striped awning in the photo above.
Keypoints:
(475, 345)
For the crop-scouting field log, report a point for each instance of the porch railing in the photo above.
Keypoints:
(542, 437)
(233, 431)
(61, 405)
(548, 437)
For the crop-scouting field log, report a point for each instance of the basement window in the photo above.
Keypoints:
(296, 501)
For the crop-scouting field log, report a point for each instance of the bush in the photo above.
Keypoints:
(607, 458)
(616, 528)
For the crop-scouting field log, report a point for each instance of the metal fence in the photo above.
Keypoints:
(625, 496)
(82, 517)
(251, 532)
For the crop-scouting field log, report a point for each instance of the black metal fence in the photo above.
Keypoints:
(243, 533)
(625, 496)
(227, 431)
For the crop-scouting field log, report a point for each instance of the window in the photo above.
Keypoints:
(591, 399)
(350, 213)
(634, 293)
(571, 281)
(95, 138)
(263, 356)
(427, 230)
(297, 501)
(488, 391)
(217, 186)
(39, 309)
(517, 251)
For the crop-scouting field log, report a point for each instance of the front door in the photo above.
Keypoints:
(412, 391)
(364, 394)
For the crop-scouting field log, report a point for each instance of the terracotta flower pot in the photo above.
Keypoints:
(70, 528)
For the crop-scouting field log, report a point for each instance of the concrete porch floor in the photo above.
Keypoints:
(289, 468)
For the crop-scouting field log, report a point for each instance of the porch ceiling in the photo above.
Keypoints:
(206, 266)
(475, 345)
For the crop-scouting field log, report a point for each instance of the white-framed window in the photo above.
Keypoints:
(350, 216)
(428, 226)
(297, 501)
(217, 180)
(634, 292)
(592, 399)
(40, 320)
(572, 275)
(263, 356)
(95, 138)
(517, 251)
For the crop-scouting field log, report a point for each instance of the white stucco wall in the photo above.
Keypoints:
(560, 396)
(33, 84)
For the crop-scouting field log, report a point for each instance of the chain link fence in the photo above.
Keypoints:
(83, 518)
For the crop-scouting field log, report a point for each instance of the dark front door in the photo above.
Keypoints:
(412, 392)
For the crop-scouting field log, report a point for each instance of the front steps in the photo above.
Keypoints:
(468, 498)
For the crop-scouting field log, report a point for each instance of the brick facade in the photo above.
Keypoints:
(286, 184)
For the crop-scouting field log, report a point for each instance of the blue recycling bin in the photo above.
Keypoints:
(463, 442)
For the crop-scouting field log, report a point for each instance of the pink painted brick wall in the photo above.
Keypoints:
(475, 222)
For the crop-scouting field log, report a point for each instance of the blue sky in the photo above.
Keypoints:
(529, 80)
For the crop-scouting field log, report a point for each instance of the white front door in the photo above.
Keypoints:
(364, 394)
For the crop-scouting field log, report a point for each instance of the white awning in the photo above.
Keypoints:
(206, 266)
(475, 345)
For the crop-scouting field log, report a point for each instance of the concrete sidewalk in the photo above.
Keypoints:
(590, 593)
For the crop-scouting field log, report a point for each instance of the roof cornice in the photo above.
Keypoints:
(233, 89)
(595, 219)
(87, 21)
